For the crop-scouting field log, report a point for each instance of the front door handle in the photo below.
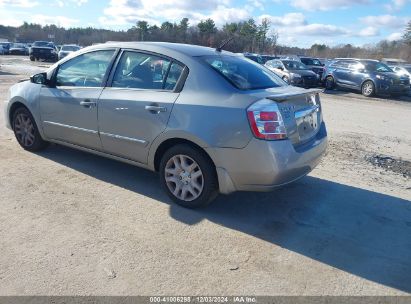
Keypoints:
(88, 103)
(156, 109)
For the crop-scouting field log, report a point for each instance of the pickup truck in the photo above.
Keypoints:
(43, 50)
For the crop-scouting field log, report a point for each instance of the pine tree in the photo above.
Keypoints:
(407, 34)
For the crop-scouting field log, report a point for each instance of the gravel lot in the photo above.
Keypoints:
(77, 224)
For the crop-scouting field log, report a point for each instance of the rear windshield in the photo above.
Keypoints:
(294, 65)
(70, 48)
(258, 59)
(311, 61)
(242, 73)
(42, 43)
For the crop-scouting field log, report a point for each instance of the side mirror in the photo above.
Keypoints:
(40, 78)
(281, 68)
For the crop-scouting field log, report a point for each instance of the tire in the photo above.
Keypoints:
(26, 131)
(178, 166)
(32, 58)
(368, 88)
(329, 83)
(286, 79)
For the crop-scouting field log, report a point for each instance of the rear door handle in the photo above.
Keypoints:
(156, 109)
(87, 103)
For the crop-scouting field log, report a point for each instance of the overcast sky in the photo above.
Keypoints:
(298, 22)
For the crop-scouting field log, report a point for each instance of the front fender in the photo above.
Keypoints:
(26, 93)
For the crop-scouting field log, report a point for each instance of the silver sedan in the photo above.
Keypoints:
(207, 120)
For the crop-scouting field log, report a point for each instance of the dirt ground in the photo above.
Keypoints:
(77, 224)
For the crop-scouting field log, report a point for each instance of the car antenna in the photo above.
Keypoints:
(223, 44)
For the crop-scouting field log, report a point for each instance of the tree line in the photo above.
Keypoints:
(247, 36)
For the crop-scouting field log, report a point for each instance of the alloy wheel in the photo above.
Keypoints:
(24, 130)
(184, 177)
(368, 88)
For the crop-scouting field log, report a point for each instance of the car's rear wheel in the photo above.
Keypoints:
(329, 83)
(368, 88)
(286, 79)
(26, 131)
(32, 58)
(188, 176)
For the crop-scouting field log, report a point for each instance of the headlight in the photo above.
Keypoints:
(293, 75)
(382, 77)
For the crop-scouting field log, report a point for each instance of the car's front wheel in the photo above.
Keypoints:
(188, 176)
(368, 88)
(26, 131)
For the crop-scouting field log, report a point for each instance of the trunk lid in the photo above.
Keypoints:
(300, 109)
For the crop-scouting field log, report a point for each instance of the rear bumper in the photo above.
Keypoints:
(305, 83)
(44, 55)
(266, 165)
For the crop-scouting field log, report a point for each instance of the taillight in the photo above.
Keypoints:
(266, 121)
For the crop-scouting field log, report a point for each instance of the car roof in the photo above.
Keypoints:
(163, 47)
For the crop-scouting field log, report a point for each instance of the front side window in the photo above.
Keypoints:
(378, 67)
(146, 71)
(86, 70)
(242, 73)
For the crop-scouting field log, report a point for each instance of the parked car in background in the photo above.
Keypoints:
(294, 72)
(67, 49)
(370, 77)
(402, 70)
(18, 49)
(6, 47)
(314, 64)
(254, 57)
(2, 50)
(43, 50)
(149, 104)
(393, 61)
(268, 57)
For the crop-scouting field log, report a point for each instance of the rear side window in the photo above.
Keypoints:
(242, 73)
(86, 70)
(146, 71)
(173, 76)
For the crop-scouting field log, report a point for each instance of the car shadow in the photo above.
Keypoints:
(361, 232)
(2, 73)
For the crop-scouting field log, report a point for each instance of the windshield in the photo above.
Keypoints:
(70, 48)
(18, 45)
(242, 73)
(378, 67)
(310, 61)
(408, 69)
(294, 65)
